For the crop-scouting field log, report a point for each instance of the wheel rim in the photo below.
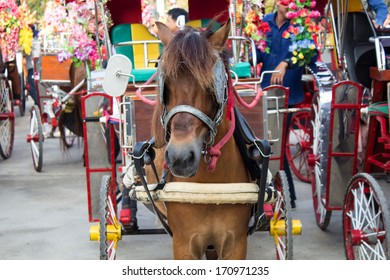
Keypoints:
(7, 124)
(322, 215)
(298, 145)
(36, 135)
(110, 229)
(22, 103)
(281, 222)
(366, 220)
(69, 138)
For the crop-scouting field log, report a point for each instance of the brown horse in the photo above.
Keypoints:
(188, 77)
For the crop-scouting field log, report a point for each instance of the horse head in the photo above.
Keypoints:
(192, 95)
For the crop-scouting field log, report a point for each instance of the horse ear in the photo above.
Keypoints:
(164, 33)
(219, 38)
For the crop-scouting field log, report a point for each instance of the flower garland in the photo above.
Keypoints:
(249, 18)
(26, 18)
(300, 32)
(81, 46)
(77, 23)
(9, 29)
(15, 28)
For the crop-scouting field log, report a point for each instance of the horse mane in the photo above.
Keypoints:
(190, 53)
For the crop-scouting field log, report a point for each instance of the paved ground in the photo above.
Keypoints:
(44, 216)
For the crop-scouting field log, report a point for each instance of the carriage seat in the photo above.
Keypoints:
(130, 32)
(204, 22)
(359, 52)
(242, 69)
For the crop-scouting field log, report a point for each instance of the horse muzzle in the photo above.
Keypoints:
(183, 158)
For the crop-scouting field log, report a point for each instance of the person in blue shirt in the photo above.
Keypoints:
(279, 57)
(290, 75)
(382, 18)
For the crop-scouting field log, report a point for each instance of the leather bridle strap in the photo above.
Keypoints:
(139, 151)
(193, 111)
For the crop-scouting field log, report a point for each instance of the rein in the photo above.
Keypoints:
(143, 98)
(215, 151)
(259, 94)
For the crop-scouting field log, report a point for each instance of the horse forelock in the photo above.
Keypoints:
(190, 53)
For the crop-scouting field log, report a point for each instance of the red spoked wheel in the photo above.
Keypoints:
(7, 119)
(298, 144)
(281, 222)
(109, 227)
(35, 138)
(322, 214)
(366, 220)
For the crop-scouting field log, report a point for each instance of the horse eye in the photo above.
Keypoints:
(166, 94)
(210, 91)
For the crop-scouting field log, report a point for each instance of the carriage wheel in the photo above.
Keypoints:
(69, 138)
(36, 138)
(22, 101)
(19, 69)
(110, 229)
(281, 222)
(7, 119)
(322, 215)
(366, 220)
(298, 144)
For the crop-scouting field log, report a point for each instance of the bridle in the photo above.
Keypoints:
(220, 89)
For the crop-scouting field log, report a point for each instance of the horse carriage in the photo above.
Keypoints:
(210, 175)
(348, 155)
(14, 22)
(56, 86)
(7, 116)
(8, 101)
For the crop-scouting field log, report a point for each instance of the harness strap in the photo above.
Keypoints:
(264, 148)
(215, 151)
(139, 151)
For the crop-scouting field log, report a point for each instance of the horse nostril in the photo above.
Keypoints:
(167, 159)
(191, 159)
